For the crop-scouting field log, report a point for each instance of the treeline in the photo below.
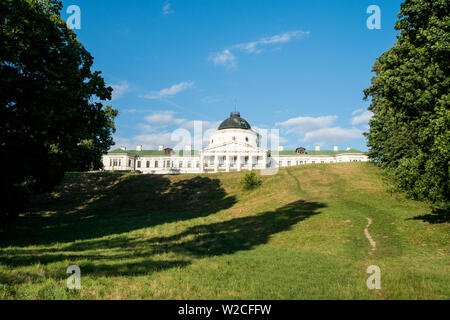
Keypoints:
(52, 119)
(409, 134)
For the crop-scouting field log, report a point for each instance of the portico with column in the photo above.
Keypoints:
(233, 142)
(231, 161)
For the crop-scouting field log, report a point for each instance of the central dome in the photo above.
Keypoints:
(235, 122)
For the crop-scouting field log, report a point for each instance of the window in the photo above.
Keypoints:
(110, 162)
(281, 163)
(189, 164)
(198, 164)
(289, 163)
(168, 164)
(138, 164)
(313, 162)
(147, 164)
(129, 163)
(234, 138)
(246, 139)
(156, 164)
(180, 164)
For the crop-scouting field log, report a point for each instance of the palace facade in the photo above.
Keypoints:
(233, 147)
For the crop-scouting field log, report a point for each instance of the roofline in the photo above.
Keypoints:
(321, 155)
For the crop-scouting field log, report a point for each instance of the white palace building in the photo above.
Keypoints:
(233, 147)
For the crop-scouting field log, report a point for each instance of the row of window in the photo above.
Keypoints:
(234, 139)
(234, 161)
(170, 164)
(290, 163)
(115, 163)
(165, 164)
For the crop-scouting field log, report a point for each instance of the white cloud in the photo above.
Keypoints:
(151, 141)
(327, 136)
(224, 58)
(357, 111)
(227, 57)
(164, 127)
(170, 92)
(206, 125)
(302, 125)
(321, 130)
(363, 118)
(119, 90)
(256, 46)
(167, 9)
(270, 137)
(164, 118)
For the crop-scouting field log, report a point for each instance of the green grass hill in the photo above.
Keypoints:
(300, 235)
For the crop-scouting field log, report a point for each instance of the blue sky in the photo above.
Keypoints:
(297, 66)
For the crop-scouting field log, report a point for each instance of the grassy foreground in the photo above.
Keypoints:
(299, 236)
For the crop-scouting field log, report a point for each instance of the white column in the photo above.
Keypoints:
(202, 164)
(216, 163)
(250, 163)
(239, 162)
(264, 164)
(228, 163)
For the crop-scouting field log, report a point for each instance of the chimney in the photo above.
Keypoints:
(123, 148)
(336, 148)
(280, 148)
(317, 148)
(161, 147)
(348, 148)
(139, 147)
(188, 147)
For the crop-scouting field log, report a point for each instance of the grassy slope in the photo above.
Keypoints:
(300, 236)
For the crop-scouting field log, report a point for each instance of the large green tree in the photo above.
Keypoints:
(409, 133)
(51, 114)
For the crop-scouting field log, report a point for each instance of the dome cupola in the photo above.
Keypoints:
(235, 122)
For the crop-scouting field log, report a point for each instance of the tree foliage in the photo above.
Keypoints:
(250, 181)
(51, 117)
(409, 133)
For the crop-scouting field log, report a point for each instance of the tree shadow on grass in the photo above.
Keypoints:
(435, 217)
(215, 239)
(237, 234)
(94, 206)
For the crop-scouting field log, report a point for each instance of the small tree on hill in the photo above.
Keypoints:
(250, 181)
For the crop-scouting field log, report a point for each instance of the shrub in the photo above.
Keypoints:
(250, 181)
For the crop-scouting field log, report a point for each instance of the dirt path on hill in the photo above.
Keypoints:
(299, 188)
(369, 237)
